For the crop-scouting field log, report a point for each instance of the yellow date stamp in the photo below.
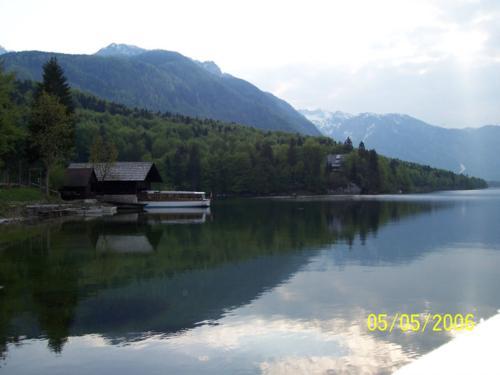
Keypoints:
(420, 322)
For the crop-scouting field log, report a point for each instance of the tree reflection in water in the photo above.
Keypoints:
(84, 276)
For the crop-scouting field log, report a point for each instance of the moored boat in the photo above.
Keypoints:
(168, 199)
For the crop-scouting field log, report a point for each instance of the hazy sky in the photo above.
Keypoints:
(437, 60)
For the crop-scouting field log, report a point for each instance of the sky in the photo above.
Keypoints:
(438, 60)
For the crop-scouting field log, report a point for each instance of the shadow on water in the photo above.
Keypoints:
(129, 274)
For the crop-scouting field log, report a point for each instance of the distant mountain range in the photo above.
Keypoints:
(166, 81)
(472, 151)
(2, 50)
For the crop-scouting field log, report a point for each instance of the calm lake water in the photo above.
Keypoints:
(255, 286)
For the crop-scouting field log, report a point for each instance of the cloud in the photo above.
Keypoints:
(440, 91)
(325, 345)
(441, 66)
(434, 59)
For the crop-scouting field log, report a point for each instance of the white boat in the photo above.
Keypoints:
(170, 199)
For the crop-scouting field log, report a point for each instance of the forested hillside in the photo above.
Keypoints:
(202, 154)
(208, 155)
(166, 81)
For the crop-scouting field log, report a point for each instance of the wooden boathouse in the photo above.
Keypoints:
(78, 183)
(118, 182)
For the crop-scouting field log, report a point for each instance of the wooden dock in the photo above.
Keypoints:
(59, 210)
(49, 210)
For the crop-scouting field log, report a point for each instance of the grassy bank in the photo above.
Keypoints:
(20, 194)
(12, 199)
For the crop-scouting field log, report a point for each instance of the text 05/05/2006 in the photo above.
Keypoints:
(420, 322)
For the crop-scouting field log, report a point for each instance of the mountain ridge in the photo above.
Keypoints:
(461, 150)
(161, 80)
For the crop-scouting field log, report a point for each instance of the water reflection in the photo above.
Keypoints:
(257, 286)
(188, 215)
(126, 234)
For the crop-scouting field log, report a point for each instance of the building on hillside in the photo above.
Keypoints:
(335, 161)
(120, 181)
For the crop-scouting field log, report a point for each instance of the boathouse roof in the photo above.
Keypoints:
(79, 177)
(122, 171)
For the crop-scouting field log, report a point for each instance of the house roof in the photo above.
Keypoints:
(79, 177)
(335, 158)
(332, 157)
(122, 171)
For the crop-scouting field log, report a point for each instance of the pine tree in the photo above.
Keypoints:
(194, 167)
(362, 150)
(55, 83)
(179, 165)
(50, 132)
(374, 172)
(292, 153)
(348, 144)
(10, 134)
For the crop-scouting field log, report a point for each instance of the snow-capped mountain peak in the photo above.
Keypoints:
(115, 49)
(404, 137)
(324, 117)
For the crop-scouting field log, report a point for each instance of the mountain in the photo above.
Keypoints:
(2, 50)
(210, 66)
(115, 49)
(473, 151)
(166, 81)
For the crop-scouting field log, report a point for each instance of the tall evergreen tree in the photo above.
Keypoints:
(55, 83)
(348, 144)
(179, 164)
(50, 133)
(194, 167)
(292, 152)
(374, 172)
(10, 134)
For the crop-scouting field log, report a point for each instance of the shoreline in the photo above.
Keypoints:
(27, 212)
(35, 212)
(355, 196)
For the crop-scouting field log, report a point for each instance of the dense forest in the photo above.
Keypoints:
(190, 153)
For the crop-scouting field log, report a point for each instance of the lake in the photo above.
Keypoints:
(273, 286)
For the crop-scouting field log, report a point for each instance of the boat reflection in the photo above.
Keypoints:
(187, 215)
